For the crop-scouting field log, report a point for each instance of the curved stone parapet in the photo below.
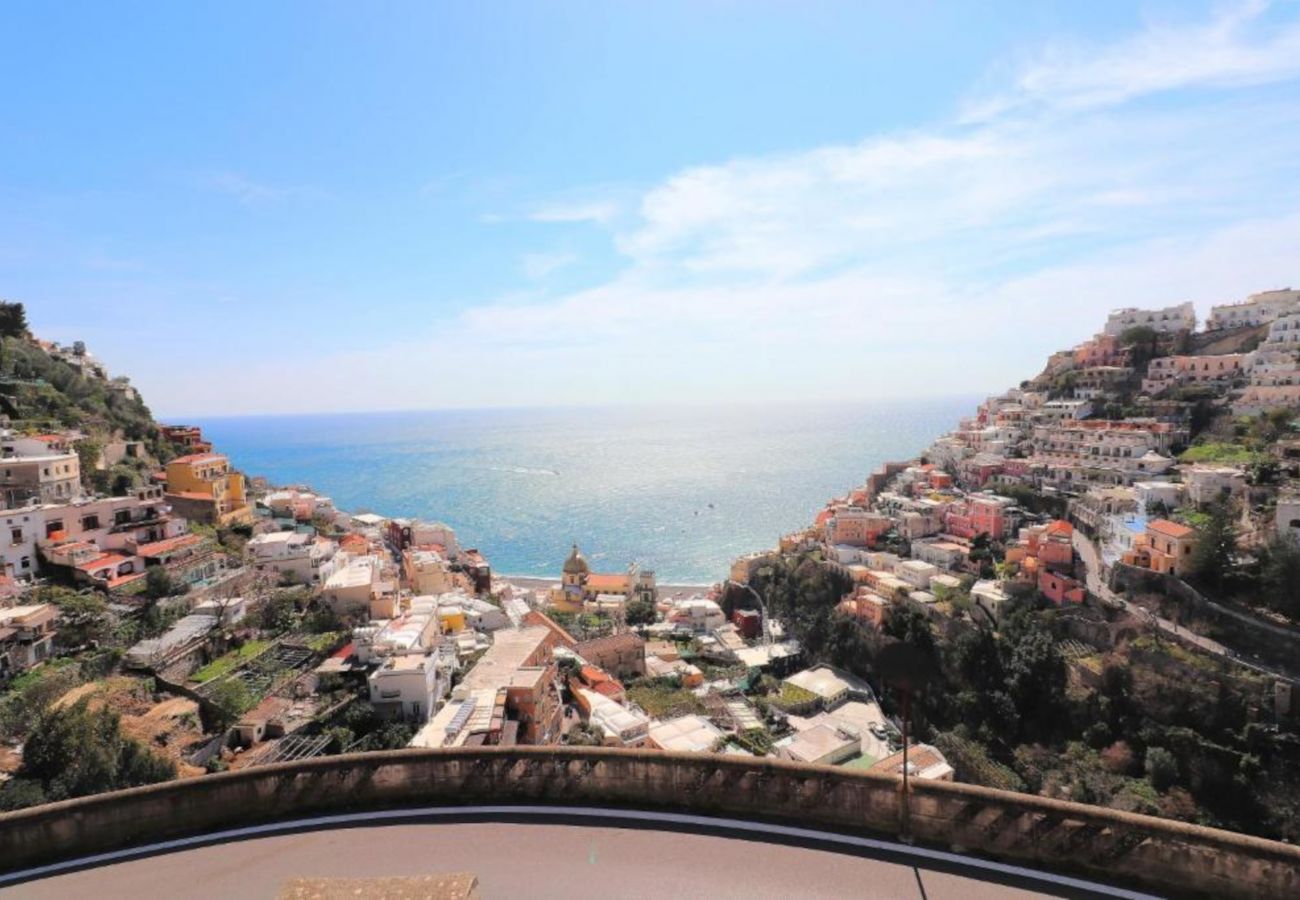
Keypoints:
(1067, 838)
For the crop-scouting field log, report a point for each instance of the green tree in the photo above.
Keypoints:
(1142, 343)
(279, 611)
(13, 320)
(1214, 554)
(908, 624)
(1161, 768)
(1036, 679)
(232, 699)
(20, 793)
(850, 645)
(89, 451)
(75, 751)
(83, 615)
(1280, 576)
(158, 583)
(584, 734)
(640, 612)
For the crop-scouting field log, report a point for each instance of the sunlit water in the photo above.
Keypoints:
(683, 491)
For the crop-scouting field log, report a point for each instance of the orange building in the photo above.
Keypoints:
(203, 487)
(1165, 547)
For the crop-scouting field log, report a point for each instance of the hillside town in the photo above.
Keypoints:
(1123, 527)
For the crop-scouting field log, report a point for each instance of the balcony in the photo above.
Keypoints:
(155, 518)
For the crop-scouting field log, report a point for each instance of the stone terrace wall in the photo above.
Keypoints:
(1057, 836)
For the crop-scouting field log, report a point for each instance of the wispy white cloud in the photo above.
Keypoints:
(947, 258)
(1236, 48)
(246, 191)
(538, 265)
(599, 211)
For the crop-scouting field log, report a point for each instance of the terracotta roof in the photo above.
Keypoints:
(1060, 526)
(611, 643)
(108, 559)
(600, 581)
(158, 548)
(353, 541)
(609, 688)
(198, 457)
(1170, 529)
(191, 495)
(125, 579)
(535, 617)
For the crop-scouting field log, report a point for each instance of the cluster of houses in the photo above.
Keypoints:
(916, 531)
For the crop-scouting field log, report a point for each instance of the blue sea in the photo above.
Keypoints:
(683, 491)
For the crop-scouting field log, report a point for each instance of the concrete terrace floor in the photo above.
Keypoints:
(517, 860)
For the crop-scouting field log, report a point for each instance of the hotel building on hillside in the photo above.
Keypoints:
(1257, 309)
(203, 487)
(1169, 320)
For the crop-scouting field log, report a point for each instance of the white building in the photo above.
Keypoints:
(686, 734)
(1149, 493)
(1168, 320)
(415, 631)
(48, 478)
(427, 571)
(304, 558)
(26, 636)
(989, 596)
(821, 745)
(831, 686)
(408, 686)
(352, 587)
(941, 554)
(621, 725)
(110, 523)
(301, 506)
(699, 613)
(1257, 309)
(1205, 484)
(916, 572)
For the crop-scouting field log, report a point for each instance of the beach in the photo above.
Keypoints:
(532, 583)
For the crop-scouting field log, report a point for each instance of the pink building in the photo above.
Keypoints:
(1103, 350)
(979, 515)
(856, 527)
(1060, 588)
(866, 605)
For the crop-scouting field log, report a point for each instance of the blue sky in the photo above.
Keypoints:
(324, 206)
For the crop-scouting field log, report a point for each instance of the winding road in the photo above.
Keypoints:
(1087, 551)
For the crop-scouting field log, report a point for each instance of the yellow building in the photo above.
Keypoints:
(451, 619)
(579, 585)
(203, 487)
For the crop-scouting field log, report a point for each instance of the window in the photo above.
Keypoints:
(16, 535)
(26, 563)
(53, 526)
(90, 523)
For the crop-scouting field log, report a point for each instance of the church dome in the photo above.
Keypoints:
(575, 564)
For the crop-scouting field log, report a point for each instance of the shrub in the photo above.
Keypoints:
(1162, 768)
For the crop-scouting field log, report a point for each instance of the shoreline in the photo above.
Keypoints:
(536, 583)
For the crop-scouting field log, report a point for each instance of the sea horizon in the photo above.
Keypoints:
(682, 489)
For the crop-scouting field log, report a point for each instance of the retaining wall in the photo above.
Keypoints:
(1102, 844)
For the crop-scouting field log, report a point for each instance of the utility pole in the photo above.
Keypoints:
(907, 669)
